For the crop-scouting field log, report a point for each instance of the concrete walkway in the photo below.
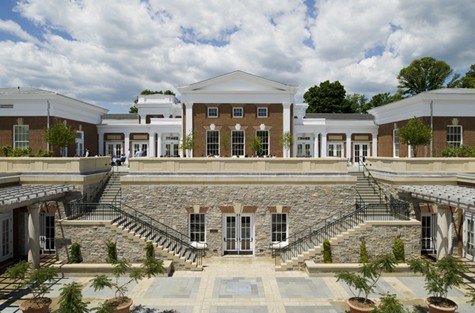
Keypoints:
(249, 284)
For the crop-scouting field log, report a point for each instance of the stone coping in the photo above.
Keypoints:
(52, 166)
(323, 269)
(91, 269)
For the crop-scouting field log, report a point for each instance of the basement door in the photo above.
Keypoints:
(238, 234)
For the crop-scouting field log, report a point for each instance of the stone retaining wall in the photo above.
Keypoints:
(379, 239)
(306, 205)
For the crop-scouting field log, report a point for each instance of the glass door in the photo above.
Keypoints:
(114, 149)
(6, 233)
(429, 233)
(139, 149)
(469, 236)
(47, 233)
(303, 150)
(360, 152)
(238, 234)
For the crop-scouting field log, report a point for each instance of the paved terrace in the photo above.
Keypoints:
(251, 285)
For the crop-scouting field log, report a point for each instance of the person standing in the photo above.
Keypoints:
(86, 154)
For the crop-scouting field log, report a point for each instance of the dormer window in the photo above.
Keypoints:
(212, 112)
(238, 112)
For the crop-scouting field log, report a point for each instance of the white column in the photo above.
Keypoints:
(324, 144)
(286, 125)
(34, 235)
(127, 144)
(443, 223)
(151, 144)
(315, 145)
(348, 147)
(101, 142)
(159, 144)
(188, 121)
(375, 145)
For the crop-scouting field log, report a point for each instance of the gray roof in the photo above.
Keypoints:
(121, 116)
(450, 195)
(24, 91)
(18, 196)
(340, 116)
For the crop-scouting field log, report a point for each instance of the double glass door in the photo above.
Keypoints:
(429, 233)
(469, 235)
(238, 234)
(114, 149)
(360, 152)
(6, 236)
(47, 233)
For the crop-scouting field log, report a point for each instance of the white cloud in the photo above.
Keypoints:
(108, 51)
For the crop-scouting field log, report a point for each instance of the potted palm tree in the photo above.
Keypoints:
(362, 283)
(38, 280)
(121, 303)
(70, 299)
(440, 277)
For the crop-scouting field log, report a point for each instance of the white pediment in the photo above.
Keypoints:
(239, 82)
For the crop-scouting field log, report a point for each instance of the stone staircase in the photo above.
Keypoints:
(111, 194)
(366, 190)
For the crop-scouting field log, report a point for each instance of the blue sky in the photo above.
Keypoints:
(107, 51)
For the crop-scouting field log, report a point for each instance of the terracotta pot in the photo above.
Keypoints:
(124, 306)
(357, 309)
(433, 308)
(38, 305)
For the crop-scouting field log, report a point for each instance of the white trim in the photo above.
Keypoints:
(238, 116)
(210, 109)
(285, 242)
(197, 243)
(262, 108)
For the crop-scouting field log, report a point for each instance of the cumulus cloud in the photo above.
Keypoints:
(108, 51)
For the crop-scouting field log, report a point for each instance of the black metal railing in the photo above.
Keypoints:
(372, 181)
(142, 224)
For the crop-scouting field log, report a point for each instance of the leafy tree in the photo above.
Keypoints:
(327, 98)
(59, 135)
(380, 99)
(422, 75)
(468, 81)
(256, 145)
(464, 151)
(357, 102)
(133, 109)
(415, 133)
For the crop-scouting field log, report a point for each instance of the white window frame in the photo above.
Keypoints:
(396, 143)
(265, 145)
(243, 144)
(23, 141)
(208, 149)
(264, 109)
(335, 145)
(201, 233)
(236, 110)
(80, 143)
(212, 115)
(451, 135)
(277, 234)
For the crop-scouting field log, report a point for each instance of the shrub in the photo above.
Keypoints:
(327, 251)
(7, 150)
(389, 303)
(111, 252)
(44, 154)
(398, 250)
(363, 252)
(70, 299)
(75, 253)
(463, 151)
(149, 250)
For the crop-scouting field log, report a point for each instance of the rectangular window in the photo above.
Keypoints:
(237, 138)
(279, 227)
(264, 137)
(238, 112)
(454, 136)
(80, 143)
(396, 143)
(212, 142)
(335, 150)
(21, 136)
(212, 112)
(197, 227)
(261, 112)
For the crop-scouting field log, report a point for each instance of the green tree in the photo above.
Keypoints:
(380, 99)
(133, 109)
(327, 98)
(224, 142)
(415, 133)
(422, 75)
(59, 135)
(468, 81)
(357, 102)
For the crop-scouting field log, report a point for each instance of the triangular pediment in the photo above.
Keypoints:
(237, 81)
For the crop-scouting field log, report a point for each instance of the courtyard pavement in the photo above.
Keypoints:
(251, 285)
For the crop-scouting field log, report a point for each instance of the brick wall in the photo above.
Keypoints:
(249, 122)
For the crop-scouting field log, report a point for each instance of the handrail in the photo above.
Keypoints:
(317, 237)
(145, 223)
(382, 193)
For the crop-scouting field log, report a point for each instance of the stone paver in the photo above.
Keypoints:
(251, 285)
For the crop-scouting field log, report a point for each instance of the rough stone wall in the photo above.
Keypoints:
(92, 236)
(379, 240)
(306, 206)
